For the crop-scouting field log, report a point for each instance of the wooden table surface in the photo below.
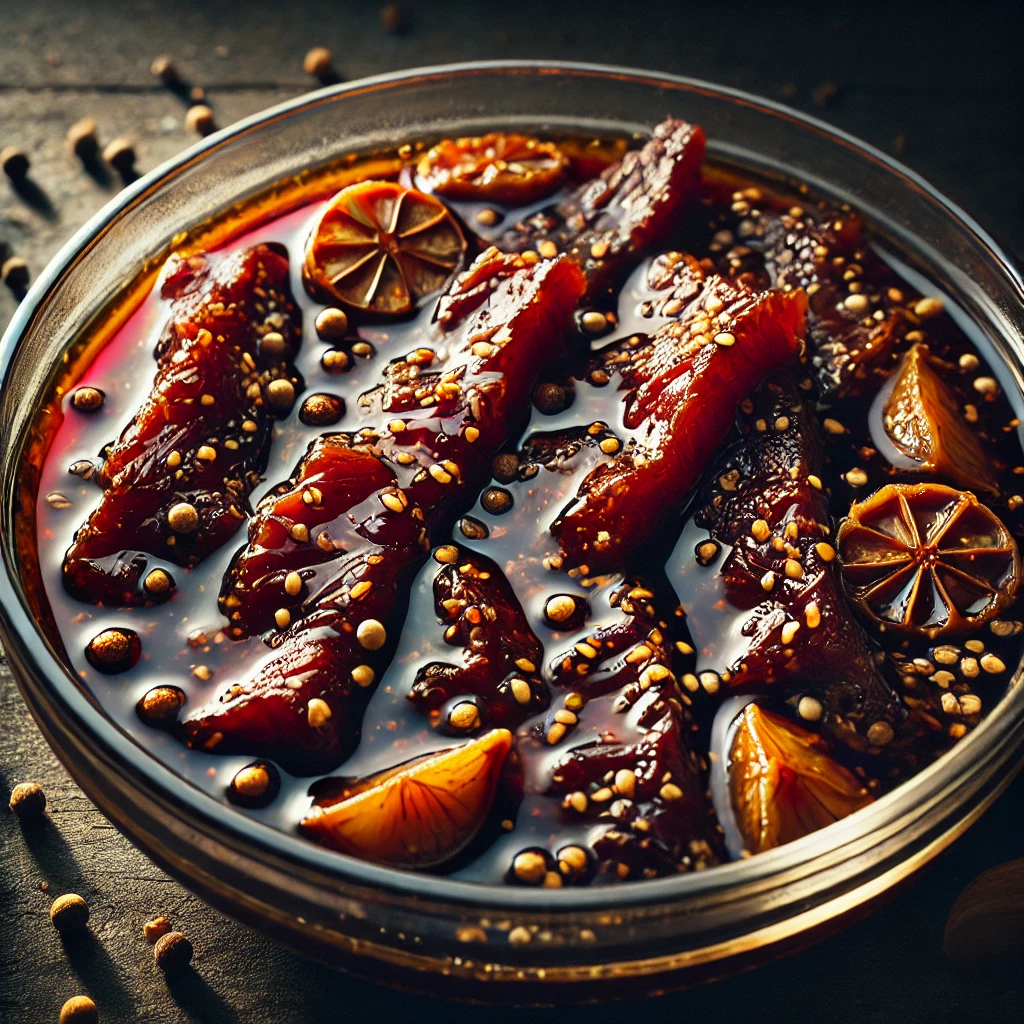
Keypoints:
(942, 89)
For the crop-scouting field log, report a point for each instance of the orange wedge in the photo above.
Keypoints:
(420, 815)
(782, 783)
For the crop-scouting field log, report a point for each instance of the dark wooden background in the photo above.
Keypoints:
(941, 87)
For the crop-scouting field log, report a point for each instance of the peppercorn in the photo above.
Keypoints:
(319, 62)
(199, 119)
(255, 785)
(331, 324)
(172, 952)
(273, 346)
(155, 928)
(79, 1010)
(159, 706)
(505, 467)
(15, 273)
(15, 162)
(183, 517)
(69, 913)
(163, 67)
(280, 395)
(496, 500)
(27, 800)
(158, 583)
(393, 18)
(322, 410)
(120, 154)
(88, 399)
(114, 650)
(550, 398)
(82, 139)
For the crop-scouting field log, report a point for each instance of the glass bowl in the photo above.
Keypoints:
(454, 938)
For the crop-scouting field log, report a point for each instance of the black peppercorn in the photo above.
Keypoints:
(172, 952)
(505, 467)
(28, 800)
(550, 398)
(69, 913)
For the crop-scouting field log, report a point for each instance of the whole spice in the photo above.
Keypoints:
(87, 399)
(331, 324)
(27, 800)
(69, 913)
(114, 650)
(82, 139)
(255, 785)
(120, 154)
(163, 67)
(14, 161)
(319, 62)
(159, 707)
(172, 952)
(79, 1010)
(322, 410)
(15, 273)
(156, 927)
(199, 119)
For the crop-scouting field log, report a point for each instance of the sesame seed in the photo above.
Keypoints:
(521, 691)
(768, 581)
(318, 712)
(970, 704)
(825, 551)
(856, 477)
(725, 339)
(565, 717)
(371, 634)
(447, 554)
(833, 426)
(986, 385)
(560, 608)
(789, 631)
(812, 616)
(670, 791)
(969, 361)
(991, 664)
(555, 733)
(363, 675)
(928, 307)
(710, 682)
(856, 303)
(810, 709)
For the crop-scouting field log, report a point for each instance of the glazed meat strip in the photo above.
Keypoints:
(860, 315)
(176, 482)
(500, 322)
(496, 656)
(447, 406)
(680, 390)
(767, 511)
(630, 209)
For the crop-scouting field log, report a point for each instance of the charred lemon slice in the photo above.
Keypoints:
(920, 419)
(927, 559)
(381, 247)
(418, 815)
(783, 784)
(497, 168)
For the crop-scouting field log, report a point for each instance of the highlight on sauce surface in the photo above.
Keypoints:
(552, 512)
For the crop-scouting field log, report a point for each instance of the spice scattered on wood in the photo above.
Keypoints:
(319, 62)
(15, 273)
(155, 928)
(172, 952)
(82, 139)
(28, 800)
(120, 154)
(79, 1010)
(164, 69)
(69, 913)
(15, 162)
(199, 119)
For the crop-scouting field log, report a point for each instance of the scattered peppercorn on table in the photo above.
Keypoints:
(82, 111)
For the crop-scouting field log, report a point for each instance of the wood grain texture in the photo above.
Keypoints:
(946, 82)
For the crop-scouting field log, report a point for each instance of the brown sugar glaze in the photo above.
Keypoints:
(670, 595)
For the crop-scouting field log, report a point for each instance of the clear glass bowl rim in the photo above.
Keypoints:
(1000, 732)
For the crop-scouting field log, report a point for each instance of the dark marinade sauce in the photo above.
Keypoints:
(631, 606)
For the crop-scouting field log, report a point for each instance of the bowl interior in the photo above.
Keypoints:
(259, 154)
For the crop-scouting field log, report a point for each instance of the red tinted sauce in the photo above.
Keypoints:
(479, 577)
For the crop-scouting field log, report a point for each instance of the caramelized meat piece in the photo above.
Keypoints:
(176, 482)
(858, 316)
(500, 656)
(651, 790)
(922, 421)
(926, 559)
(608, 223)
(682, 389)
(783, 783)
(420, 814)
(768, 513)
(501, 321)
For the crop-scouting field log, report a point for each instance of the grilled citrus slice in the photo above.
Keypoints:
(418, 815)
(782, 782)
(381, 247)
(927, 559)
(496, 168)
(921, 420)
